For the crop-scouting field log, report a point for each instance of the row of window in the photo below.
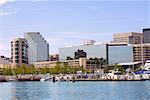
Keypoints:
(23, 61)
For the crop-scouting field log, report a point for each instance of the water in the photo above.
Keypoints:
(75, 91)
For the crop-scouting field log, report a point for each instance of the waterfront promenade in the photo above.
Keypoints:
(74, 77)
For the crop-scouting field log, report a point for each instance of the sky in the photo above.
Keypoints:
(70, 22)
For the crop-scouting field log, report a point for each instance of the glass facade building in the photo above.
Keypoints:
(96, 50)
(38, 47)
(120, 54)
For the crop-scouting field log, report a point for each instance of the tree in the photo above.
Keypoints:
(57, 68)
(65, 68)
(119, 68)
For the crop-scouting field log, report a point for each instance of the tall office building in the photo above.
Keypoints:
(128, 53)
(120, 54)
(19, 51)
(146, 35)
(127, 38)
(38, 47)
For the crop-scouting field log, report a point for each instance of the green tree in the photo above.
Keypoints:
(119, 68)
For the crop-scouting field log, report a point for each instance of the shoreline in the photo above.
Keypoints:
(57, 78)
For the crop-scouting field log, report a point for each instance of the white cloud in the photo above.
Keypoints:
(8, 10)
(6, 13)
(2, 2)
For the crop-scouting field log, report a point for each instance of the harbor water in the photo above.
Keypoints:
(136, 90)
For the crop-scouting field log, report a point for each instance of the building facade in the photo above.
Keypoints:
(4, 62)
(141, 52)
(38, 47)
(45, 64)
(128, 38)
(146, 35)
(120, 54)
(19, 51)
(128, 53)
(92, 51)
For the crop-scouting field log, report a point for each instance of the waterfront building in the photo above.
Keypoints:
(75, 63)
(4, 59)
(141, 52)
(38, 47)
(4, 62)
(45, 64)
(78, 60)
(120, 54)
(127, 38)
(19, 51)
(146, 35)
(92, 51)
(128, 53)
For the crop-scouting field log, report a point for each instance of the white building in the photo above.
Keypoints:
(38, 47)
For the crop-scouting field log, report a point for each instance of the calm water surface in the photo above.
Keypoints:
(75, 91)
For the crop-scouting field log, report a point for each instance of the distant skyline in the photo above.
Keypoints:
(64, 22)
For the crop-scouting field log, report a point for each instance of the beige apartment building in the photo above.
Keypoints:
(77, 62)
(45, 64)
(128, 38)
(71, 63)
(19, 51)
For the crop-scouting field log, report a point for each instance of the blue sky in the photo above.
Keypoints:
(63, 22)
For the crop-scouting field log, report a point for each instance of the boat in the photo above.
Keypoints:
(147, 65)
(2, 79)
(46, 78)
(11, 79)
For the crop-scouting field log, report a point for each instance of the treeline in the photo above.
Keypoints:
(57, 69)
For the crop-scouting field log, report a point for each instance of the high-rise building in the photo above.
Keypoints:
(19, 51)
(38, 47)
(146, 35)
(127, 38)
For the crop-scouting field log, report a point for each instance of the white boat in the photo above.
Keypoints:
(147, 65)
(46, 78)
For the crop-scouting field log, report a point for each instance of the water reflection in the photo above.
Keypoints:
(75, 91)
